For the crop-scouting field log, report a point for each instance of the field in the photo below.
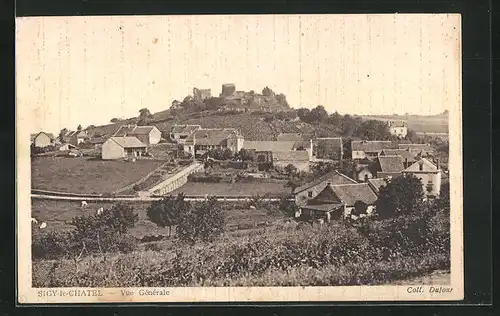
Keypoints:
(233, 189)
(420, 123)
(87, 175)
(58, 215)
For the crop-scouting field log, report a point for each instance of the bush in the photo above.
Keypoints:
(205, 222)
(52, 245)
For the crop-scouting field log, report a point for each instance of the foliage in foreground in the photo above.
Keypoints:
(372, 252)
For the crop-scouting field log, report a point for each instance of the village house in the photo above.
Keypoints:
(148, 135)
(398, 128)
(179, 133)
(329, 148)
(66, 146)
(202, 140)
(424, 149)
(122, 147)
(389, 166)
(42, 139)
(338, 201)
(408, 156)
(281, 153)
(428, 173)
(312, 189)
(262, 151)
(299, 159)
(361, 149)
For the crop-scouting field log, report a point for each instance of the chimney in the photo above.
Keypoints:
(437, 163)
(406, 162)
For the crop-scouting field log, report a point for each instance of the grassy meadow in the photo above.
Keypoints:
(87, 175)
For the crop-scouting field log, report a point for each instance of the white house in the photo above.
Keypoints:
(149, 135)
(121, 147)
(42, 139)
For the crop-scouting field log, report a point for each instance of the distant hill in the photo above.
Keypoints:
(419, 123)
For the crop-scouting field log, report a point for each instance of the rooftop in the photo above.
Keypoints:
(297, 156)
(184, 128)
(347, 194)
(268, 145)
(391, 163)
(128, 142)
(370, 146)
(211, 136)
(334, 178)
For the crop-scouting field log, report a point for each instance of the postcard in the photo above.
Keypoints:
(239, 158)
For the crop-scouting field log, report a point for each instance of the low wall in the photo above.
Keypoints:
(177, 180)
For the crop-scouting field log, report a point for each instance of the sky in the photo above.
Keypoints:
(87, 70)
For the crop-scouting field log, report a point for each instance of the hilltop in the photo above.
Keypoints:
(263, 116)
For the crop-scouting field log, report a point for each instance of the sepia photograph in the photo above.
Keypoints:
(224, 158)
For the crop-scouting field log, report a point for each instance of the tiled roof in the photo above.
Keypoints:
(289, 137)
(211, 136)
(391, 163)
(370, 146)
(404, 153)
(298, 155)
(377, 183)
(268, 145)
(128, 142)
(176, 129)
(142, 130)
(304, 144)
(350, 193)
(425, 147)
(426, 166)
(334, 178)
(33, 136)
(124, 130)
(330, 142)
(327, 207)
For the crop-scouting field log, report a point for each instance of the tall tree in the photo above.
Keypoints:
(401, 195)
(167, 211)
(318, 114)
(79, 128)
(205, 222)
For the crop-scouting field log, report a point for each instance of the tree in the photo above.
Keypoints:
(205, 222)
(360, 207)
(290, 170)
(374, 130)
(145, 117)
(303, 113)
(120, 218)
(63, 132)
(166, 212)
(335, 119)
(401, 195)
(318, 114)
(288, 206)
(243, 155)
(103, 232)
(79, 128)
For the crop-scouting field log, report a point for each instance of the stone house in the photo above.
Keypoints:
(148, 135)
(179, 133)
(337, 201)
(310, 190)
(202, 140)
(361, 149)
(428, 173)
(329, 148)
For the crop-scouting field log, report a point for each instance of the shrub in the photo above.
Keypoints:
(205, 222)
(167, 211)
(52, 245)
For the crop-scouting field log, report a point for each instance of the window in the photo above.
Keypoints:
(310, 194)
(420, 166)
